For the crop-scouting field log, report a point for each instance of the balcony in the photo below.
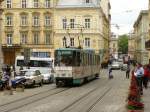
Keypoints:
(147, 45)
(24, 28)
(48, 28)
(9, 29)
(36, 28)
(16, 46)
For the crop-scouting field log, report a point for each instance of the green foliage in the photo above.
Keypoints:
(123, 44)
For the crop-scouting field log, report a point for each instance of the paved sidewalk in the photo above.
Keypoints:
(146, 99)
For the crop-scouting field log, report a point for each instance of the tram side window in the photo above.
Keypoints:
(76, 59)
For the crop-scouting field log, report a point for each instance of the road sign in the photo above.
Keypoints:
(26, 55)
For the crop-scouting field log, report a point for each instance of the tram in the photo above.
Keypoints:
(75, 66)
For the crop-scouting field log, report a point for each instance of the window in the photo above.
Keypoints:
(36, 3)
(36, 20)
(9, 38)
(72, 23)
(23, 38)
(72, 42)
(47, 4)
(87, 42)
(36, 38)
(87, 23)
(47, 20)
(9, 20)
(8, 4)
(47, 38)
(24, 21)
(64, 23)
(24, 3)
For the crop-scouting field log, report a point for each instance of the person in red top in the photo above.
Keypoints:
(146, 76)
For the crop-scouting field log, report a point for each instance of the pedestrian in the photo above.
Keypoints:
(128, 71)
(146, 76)
(139, 73)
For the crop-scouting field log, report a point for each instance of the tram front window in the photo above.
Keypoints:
(63, 58)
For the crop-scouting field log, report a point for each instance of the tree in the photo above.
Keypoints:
(123, 44)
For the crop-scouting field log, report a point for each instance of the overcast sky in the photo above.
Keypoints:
(124, 13)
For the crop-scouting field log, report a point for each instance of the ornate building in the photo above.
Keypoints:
(45, 25)
(141, 27)
(27, 24)
(82, 23)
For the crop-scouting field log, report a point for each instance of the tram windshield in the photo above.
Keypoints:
(63, 58)
(66, 58)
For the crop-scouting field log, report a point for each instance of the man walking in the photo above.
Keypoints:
(128, 71)
(139, 73)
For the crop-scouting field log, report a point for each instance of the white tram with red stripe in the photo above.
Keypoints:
(75, 66)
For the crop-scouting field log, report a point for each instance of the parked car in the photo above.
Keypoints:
(115, 65)
(33, 77)
(48, 76)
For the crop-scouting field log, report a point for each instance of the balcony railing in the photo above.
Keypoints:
(24, 28)
(36, 28)
(9, 28)
(47, 28)
(147, 45)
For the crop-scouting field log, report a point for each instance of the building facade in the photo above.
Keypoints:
(27, 24)
(141, 27)
(45, 25)
(132, 46)
(114, 46)
(82, 23)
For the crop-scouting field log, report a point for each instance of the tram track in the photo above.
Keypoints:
(86, 95)
(26, 97)
(98, 100)
(22, 102)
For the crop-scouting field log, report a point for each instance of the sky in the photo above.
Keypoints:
(124, 13)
